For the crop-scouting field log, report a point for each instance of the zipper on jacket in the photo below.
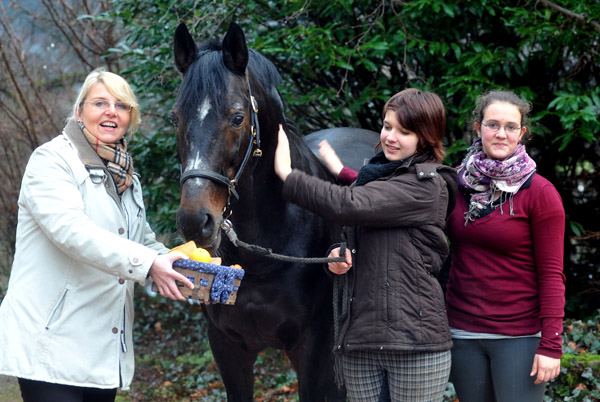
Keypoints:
(124, 208)
(123, 342)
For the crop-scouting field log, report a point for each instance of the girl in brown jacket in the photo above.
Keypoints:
(393, 217)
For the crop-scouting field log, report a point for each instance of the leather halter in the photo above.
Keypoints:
(222, 178)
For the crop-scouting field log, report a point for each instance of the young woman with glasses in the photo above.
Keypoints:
(505, 295)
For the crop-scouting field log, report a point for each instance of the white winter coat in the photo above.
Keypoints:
(68, 313)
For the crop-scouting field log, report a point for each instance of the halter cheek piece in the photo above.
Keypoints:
(222, 178)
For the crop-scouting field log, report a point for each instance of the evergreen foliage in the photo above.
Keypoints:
(341, 59)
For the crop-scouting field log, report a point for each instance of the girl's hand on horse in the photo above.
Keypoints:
(164, 276)
(283, 160)
(339, 268)
(332, 161)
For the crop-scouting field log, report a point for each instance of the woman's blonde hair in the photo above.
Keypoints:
(118, 87)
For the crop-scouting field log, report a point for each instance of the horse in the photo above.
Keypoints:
(226, 114)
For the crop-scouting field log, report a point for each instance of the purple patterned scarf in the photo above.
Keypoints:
(481, 176)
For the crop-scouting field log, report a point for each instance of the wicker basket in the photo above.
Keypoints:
(212, 283)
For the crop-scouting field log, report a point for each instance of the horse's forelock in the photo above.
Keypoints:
(205, 77)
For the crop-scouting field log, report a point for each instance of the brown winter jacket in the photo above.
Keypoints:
(394, 227)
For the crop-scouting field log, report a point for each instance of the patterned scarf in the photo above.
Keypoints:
(482, 176)
(115, 157)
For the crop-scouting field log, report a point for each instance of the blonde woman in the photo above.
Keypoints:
(82, 242)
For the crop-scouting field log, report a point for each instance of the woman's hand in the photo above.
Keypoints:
(332, 160)
(164, 276)
(545, 367)
(283, 160)
(339, 268)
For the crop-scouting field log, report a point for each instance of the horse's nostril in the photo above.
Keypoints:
(196, 225)
(208, 228)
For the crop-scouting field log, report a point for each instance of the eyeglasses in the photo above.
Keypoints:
(494, 128)
(101, 104)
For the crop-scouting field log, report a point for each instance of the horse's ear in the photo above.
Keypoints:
(235, 50)
(184, 48)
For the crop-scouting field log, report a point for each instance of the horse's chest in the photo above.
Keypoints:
(264, 316)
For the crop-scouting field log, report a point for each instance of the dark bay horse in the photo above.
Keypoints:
(226, 145)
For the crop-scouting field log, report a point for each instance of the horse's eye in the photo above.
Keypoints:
(237, 120)
(174, 119)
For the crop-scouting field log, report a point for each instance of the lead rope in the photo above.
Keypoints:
(227, 227)
(340, 311)
(340, 284)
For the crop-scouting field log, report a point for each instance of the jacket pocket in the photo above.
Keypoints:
(56, 312)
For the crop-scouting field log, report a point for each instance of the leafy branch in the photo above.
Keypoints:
(579, 17)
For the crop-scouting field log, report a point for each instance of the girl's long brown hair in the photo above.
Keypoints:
(422, 113)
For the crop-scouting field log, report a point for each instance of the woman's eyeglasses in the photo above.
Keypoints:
(102, 104)
(494, 128)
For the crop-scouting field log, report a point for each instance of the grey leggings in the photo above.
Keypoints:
(495, 370)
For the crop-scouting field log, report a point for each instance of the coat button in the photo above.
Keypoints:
(136, 260)
(121, 281)
(115, 330)
(121, 230)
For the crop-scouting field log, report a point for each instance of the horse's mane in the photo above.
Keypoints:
(208, 75)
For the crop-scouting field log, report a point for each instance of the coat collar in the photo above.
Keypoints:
(88, 156)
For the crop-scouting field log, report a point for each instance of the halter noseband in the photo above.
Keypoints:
(222, 178)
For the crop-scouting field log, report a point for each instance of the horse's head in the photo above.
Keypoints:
(218, 129)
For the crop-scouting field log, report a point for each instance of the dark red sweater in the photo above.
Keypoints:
(347, 176)
(507, 271)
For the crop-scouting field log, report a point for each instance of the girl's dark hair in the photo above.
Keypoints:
(502, 96)
(422, 113)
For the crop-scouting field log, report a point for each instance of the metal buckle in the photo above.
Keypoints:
(227, 227)
(97, 179)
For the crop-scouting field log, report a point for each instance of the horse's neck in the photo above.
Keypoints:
(261, 204)
(262, 217)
